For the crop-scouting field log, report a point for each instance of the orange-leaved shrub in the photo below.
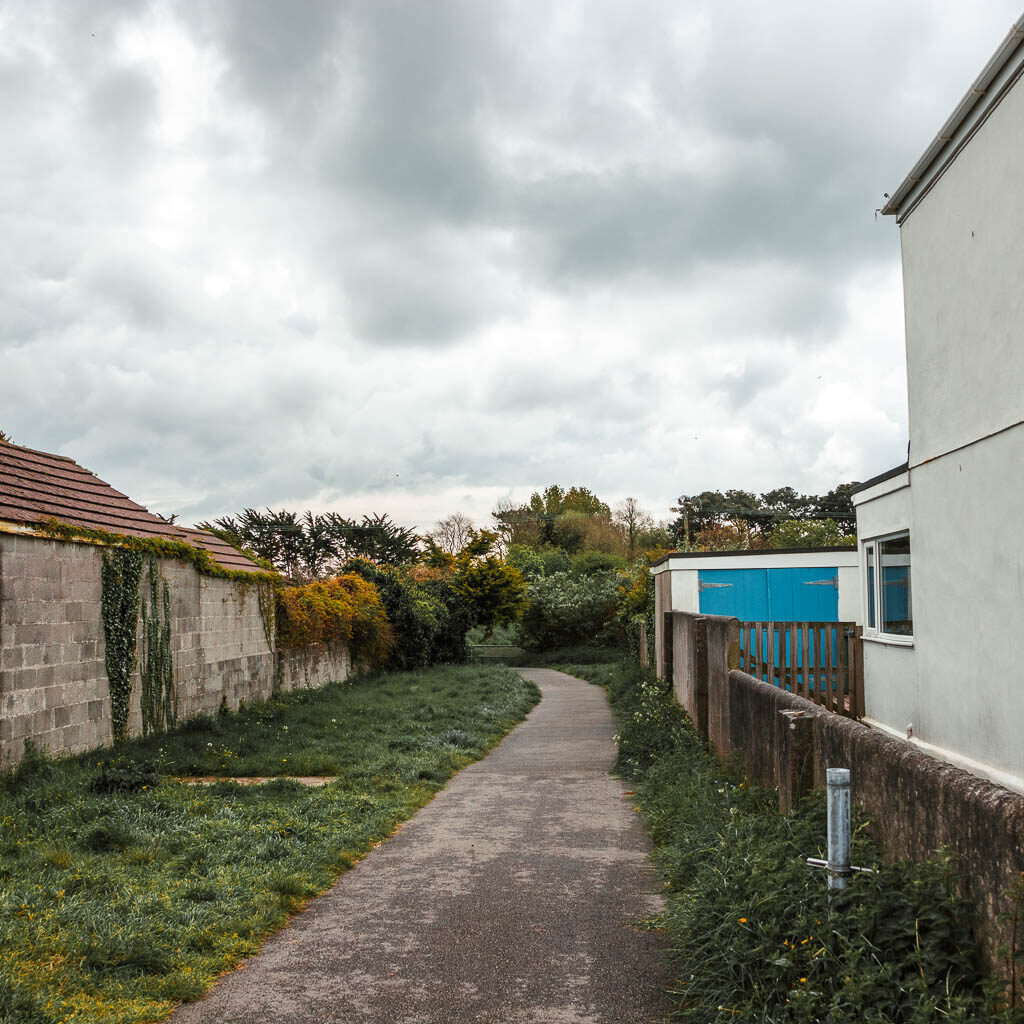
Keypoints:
(344, 610)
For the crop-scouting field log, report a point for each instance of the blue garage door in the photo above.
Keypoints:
(771, 595)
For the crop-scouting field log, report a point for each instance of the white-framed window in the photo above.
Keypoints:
(889, 602)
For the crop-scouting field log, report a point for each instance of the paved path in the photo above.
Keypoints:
(506, 899)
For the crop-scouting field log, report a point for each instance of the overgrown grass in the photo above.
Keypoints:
(748, 923)
(122, 893)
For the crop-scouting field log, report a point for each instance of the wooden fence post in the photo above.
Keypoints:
(857, 685)
(733, 655)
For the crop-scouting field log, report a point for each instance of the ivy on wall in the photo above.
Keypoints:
(159, 696)
(268, 613)
(121, 573)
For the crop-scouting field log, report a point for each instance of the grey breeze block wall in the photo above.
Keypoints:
(53, 680)
(915, 802)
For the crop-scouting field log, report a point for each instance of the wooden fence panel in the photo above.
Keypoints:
(820, 661)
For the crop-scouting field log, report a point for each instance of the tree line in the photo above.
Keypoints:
(562, 568)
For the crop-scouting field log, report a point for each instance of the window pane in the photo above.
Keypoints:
(869, 554)
(894, 559)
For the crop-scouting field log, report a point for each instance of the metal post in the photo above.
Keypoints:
(838, 781)
(838, 866)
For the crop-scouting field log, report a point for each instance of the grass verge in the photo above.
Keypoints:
(123, 893)
(748, 925)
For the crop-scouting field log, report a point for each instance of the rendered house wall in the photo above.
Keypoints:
(968, 584)
(890, 670)
(962, 265)
(964, 308)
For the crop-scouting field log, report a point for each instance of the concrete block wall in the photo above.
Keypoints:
(53, 681)
(311, 668)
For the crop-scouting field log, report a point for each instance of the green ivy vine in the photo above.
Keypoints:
(159, 696)
(268, 612)
(120, 575)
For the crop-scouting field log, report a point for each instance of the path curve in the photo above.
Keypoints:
(507, 899)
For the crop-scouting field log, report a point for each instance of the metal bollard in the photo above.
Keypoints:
(838, 865)
(838, 781)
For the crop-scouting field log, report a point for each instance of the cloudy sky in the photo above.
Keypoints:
(413, 257)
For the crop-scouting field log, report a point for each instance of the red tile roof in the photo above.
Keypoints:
(222, 552)
(35, 486)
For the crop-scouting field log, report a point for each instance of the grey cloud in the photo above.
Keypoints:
(138, 295)
(422, 79)
(587, 394)
(280, 54)
(743, 386)
(121, 106)
(412, 211)
(425, 289)
(301, 324)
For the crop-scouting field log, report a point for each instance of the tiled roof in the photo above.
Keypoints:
(35, 486)
(222, 552)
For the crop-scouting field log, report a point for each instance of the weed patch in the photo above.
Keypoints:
(123, 892)
(751, 935)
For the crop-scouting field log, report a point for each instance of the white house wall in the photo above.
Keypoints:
(887, 513)
(962, 272)
(768, 559)
(849, 594)
(968, 585)
(685, 590)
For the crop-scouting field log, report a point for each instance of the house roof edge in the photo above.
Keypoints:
(996, 78)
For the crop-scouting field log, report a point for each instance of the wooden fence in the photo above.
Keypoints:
(821, 661)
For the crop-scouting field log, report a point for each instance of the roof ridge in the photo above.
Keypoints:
(37, 451)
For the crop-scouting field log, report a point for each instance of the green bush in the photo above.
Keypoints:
(593, 563)
(566, 610)
(554, 560)
(429, 617)
(526, 560)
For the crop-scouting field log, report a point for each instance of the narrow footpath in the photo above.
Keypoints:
(509, 898)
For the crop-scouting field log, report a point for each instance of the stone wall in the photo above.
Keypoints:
(53, 680)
